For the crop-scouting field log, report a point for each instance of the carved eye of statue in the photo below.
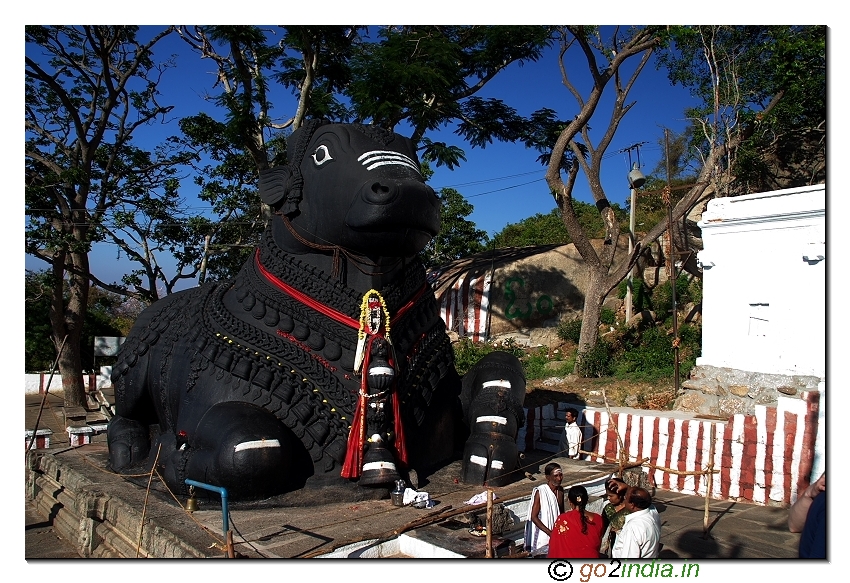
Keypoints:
(321, 155)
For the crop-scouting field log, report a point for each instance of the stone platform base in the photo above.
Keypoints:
(113, 516)
(724, 392)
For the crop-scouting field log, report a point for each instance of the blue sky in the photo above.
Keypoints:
(503, 181)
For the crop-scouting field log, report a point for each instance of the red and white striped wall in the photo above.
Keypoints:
(42, 382)
(464, 305)
(764, 458)
(83, 435)
(42, 439)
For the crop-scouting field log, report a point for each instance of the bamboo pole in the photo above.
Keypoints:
(488, 552)
(46, 390)
(145, 506)
(430, 518)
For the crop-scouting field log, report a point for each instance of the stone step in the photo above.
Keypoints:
(545, 444)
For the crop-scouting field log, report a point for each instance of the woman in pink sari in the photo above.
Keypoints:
(577, 532)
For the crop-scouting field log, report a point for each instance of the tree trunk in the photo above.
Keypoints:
(66, 318)
(71, 369)
(593, 298)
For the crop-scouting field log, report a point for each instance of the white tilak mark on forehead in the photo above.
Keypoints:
(376, 158)
(393, 163)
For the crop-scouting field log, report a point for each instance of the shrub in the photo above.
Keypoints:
(690, 348)
(467, 353)
(695, 290)
(641, 294)
(607, 316)
(570, 330)
(662, 296)
(534, 364)
(648, 355)
(596, 362)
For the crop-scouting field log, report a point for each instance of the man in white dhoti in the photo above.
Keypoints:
(546, 504)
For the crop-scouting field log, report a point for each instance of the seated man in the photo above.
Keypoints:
(808, 516)
(640, 537)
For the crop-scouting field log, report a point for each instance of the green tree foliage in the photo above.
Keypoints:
(458, 236)
(771, 75)
(89, 90)
(108, 314)
(227, 179)
(39, 350)
(549, 229)
(429, 77)
(539, 229)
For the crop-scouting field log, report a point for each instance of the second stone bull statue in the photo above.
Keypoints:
(325, 361)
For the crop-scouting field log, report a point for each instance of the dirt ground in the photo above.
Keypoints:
(654, 396)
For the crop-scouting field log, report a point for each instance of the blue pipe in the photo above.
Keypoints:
(220, 490)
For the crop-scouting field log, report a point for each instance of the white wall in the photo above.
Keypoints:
(764, 305)
(32, 381)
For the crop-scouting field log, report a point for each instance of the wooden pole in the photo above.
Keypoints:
(145, 506)
(44, 396)
(710, 484)
(672, 260)
(488, 552)
(231, 554)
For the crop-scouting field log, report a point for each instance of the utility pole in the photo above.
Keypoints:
(203, 271)
(629, 300)
(636, 180)
(672, 255)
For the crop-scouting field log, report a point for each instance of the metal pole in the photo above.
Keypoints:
(631, 248)
(223, 493)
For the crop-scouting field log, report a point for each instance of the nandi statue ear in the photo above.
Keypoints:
(280, 187)
(284, 183)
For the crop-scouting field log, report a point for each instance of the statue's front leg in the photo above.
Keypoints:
(493, 393)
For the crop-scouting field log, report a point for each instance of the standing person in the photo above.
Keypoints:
(576, 533)
(808, 516)
(547, 503)
(572, 437)
(640, 537)
(614, 512)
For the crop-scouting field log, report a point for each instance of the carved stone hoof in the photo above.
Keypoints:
(489, 459)
(128, 443)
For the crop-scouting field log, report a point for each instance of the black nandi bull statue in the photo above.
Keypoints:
(325, 361)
